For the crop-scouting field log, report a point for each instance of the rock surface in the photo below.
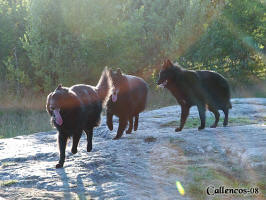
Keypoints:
(143, 165)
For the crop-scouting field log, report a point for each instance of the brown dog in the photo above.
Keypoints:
(75, 109)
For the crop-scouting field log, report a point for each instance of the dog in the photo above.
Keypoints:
(77, 109)
(201, 88)
(128, 99)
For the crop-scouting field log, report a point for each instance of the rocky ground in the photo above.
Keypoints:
(145, 164)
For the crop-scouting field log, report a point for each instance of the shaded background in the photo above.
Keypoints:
(47, 42)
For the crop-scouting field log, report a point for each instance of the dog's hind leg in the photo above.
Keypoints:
(202, 110)
(76, 138)
(129, 130)
(89, 133)
(226, 110)
(216, 114)
(121, 128)
(136, 123)
(184, 115)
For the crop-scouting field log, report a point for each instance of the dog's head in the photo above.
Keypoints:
(56, 102)
(117, 82)
(166, 73)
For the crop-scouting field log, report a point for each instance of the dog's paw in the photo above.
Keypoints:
(178, 129)
(128, 132)
(116, 138)
(74, 151)
(89, 148)
(213, 126)
(110, 126)
(201, 127)
(58, 165)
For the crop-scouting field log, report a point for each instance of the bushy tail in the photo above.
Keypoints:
(103, 87)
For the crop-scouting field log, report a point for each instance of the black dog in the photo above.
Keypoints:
(198, 88)
(76, 109)
(128, 99)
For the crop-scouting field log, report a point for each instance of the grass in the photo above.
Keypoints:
(195, 122)
(262, 185)
(8, 183)
(200, 180)
(7, 164)
(174, 170)
(150, 139)
(158, 98)
(176, 140)
(202, 177)
(262, 119)
(258, 89)
(14, 122)
(22, 115)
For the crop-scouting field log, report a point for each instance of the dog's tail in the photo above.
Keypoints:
(103, 87)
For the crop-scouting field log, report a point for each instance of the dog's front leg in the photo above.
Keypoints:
(109, 120)
(121, 128)
(184, 115)
(62, 141)
(202, 110)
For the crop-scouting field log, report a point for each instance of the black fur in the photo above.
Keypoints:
(131, 100)
(198, 88)
(80, 109)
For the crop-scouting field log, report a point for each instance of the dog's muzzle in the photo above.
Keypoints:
(163, 84)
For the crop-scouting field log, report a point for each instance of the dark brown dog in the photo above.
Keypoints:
(76, 109)
(198, 88)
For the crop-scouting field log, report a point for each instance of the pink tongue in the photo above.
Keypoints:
(58, 118)
(114, 97)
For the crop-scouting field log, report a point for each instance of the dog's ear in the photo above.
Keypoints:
(167, 63)
(112, 71)
(107, 69)
(59, 87)
(48, 102)
(118, 71)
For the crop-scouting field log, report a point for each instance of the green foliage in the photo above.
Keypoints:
(47, 42)
(13, 61)
(195, 122)
(8, 183)
(233, 43)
